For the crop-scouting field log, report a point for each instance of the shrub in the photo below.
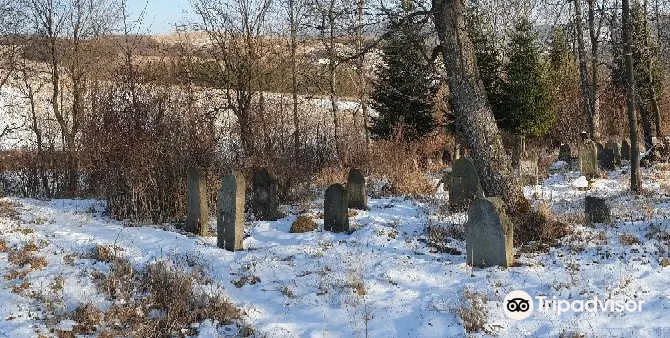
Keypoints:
(303, 224)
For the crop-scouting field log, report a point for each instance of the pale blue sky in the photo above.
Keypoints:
(160, 16)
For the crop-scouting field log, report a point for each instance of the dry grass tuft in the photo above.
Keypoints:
(9, 209)
(88, 317)
(629, 239)
(539, 225)
(473, 311)
(24, 257)
(303, 224)
(25, 285)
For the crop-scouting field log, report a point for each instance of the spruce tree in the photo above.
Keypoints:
(405, 88)
(528, 102)
(488, 57)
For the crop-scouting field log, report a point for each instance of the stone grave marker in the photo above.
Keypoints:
(230, 213)
(464, 185)
(356, 190)
(264, 201)
(335, 212)
(197, 213)
(489, 234)
(588, 159)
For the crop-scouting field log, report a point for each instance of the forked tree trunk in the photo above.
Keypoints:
(471, 108)
(635, 185)
(583, 72)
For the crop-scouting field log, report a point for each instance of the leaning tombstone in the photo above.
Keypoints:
(197, 214)
(564, 153)
(616, 152)
(588, 159)
(464, 185)
(264, 201)
(597, 210)
(489, 234)
(356, 190)
(230, 213)
(528, 172)
(335, 212)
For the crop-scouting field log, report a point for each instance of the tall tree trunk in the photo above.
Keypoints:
(650, 76)
(594, 99)
(645, 117)
(294, 78)
(361, 71)
(635, 185)
(332, 79)
(583, 71)
(471, 108)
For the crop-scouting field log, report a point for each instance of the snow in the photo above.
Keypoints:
(310, 284)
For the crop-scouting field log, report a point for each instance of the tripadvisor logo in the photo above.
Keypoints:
(520, 305)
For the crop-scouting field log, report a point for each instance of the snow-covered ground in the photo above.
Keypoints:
(382, 280)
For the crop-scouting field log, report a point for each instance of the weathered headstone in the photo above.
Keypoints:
(597, 210)
(489, 234)
(588, 159)
(356, 190)
(230, 213)
(607, 159)
(616, 150)
(625, 150)
(464, 185)
(335, 212)
(197, 214)
(264, 201)
(564, 153)
(601, 155)
(528, 172)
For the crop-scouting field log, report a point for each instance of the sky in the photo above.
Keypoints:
(159, 16)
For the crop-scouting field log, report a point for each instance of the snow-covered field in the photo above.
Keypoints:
(382, 280)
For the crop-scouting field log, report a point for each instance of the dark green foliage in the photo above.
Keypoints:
(488, 57)
(563, 66)
(528, 106)
(405, 89)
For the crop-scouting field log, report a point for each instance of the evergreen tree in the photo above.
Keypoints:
(563, 66)
(404, 92)
(488, 57)
(528, 102)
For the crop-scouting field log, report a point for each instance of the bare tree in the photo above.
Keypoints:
(635, 185)
(66, 27)
(236, 30)
(474, 117)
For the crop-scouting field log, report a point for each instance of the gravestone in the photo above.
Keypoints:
(588, 159)
(616, 150)
(335, 212)
(625, 150)
(197, 213)
(489, 234)
(356, 190)
(564, 153)
(601, 155)
(597, 210)
(528, 172)
(230, 213)
(607, 159)
(464, 185)
(264, 202)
